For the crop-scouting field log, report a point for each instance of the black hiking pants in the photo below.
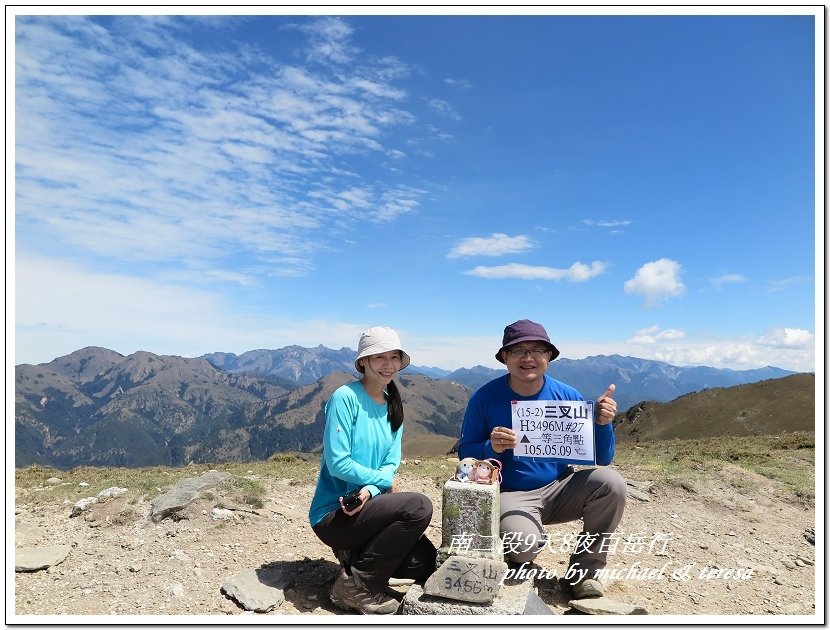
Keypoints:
(385, 539)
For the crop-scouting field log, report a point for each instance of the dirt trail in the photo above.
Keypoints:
(717, 550)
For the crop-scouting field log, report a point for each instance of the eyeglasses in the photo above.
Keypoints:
(536, 353)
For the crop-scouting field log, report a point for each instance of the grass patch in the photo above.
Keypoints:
(788, 459)
(147, 483)
(248, 492)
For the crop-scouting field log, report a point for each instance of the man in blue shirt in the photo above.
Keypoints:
(542, 491)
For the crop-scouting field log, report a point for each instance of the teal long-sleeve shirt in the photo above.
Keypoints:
(359, 449)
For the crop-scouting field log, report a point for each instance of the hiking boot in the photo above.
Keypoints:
(346, 594)
(587, 588)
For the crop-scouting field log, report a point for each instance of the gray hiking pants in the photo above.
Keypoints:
(596, 495)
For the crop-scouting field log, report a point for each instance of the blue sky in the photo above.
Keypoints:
(640, 184)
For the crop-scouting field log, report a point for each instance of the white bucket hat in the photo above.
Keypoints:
(378, 340)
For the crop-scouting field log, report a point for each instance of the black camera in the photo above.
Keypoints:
(351, 500)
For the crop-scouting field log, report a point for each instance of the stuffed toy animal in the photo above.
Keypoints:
(464, 470)
(487, 471)
(483, 472)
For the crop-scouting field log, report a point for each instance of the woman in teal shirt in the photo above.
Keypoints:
(382, 536)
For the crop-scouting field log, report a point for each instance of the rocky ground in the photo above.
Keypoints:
(713, 550)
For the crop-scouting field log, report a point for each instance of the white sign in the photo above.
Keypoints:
(555, 429)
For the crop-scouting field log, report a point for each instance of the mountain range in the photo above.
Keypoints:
(98, 407)
(636, 379)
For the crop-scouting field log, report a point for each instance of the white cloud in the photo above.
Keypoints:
(397, 201)
(727, 278)
(578, 272)
(787, 348)
(653, 334)
(462, 84)
(451, 352)
(795, 338)
(444, 108)
(494, 245)
(606, 224)
(66, 307)
(656, 281)
(329, 40)
(773, 286)
(206, 150)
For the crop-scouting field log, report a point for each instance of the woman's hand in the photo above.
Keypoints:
(364, 496)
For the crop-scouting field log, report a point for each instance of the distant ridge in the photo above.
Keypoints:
(763, 408)
(296, 364)
(636, 379)
(98, 407)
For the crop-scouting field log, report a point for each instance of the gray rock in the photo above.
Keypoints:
(83, 505)
(183, 493)
(53, 481)
(605, 606)
(221, 514)
(114, 491)
(535, 605)
(637, 494)
(511, 600)
(467, 579)
(259, 590)
(36, 558)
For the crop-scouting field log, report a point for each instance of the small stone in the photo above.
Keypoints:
(82, 505)
(36, 558)
(639, 495)
(113, 491)
(605, 606)
(53, 481)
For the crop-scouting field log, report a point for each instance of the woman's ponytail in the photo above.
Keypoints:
(395, 406)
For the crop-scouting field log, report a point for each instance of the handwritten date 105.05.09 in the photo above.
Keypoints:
(548, 450)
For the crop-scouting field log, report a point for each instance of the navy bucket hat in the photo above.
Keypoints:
(525, 330)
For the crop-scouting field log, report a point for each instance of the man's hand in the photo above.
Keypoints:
(502, 439)
(606, 406)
